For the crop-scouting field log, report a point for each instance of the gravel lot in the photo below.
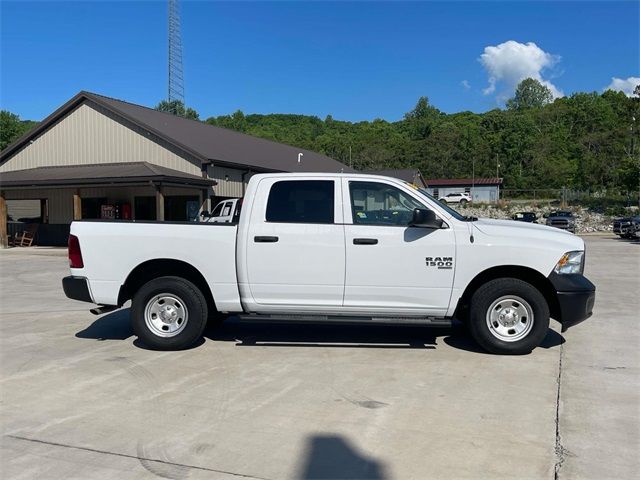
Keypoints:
(587, 221)
(81, 399)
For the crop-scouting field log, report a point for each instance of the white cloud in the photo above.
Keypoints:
(465, 84)
(511, 62)
(625, 85)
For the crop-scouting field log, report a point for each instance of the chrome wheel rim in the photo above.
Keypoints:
(510, 318)
(166, 315)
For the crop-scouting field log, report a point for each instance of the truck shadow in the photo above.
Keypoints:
(274, 334)
(112, 326)
(117, 326)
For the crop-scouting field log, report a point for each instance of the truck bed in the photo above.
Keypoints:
(113, 249)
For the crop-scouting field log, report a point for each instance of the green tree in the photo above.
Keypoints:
(176, 107)
(421, 119)
(12, 128)
(530, 93)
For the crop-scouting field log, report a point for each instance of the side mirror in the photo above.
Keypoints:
(424, 218)
(205, 214)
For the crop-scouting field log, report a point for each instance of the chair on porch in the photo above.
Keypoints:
(26, 237)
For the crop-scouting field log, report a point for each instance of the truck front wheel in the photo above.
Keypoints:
(169, 313)
(508, 316)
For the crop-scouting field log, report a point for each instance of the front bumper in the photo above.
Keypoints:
(77, 288)
(576, 296)
(563, 226)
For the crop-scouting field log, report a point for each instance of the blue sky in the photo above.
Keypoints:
(355, 61)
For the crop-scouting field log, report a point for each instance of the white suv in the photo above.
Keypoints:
(460, 197)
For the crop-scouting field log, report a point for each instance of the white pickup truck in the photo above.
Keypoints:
(337, 248)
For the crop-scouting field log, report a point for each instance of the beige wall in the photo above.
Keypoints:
(60, 201)
(86, 136)
(90, 135)
(228, 188)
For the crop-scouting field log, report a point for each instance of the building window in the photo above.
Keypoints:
(467, 189)
(301, 201)
(435, 193)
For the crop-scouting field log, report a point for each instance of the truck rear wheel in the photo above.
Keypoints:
(508, 316)
(169, 313)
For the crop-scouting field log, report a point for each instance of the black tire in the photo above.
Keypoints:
(194, 303)
(463, 201)
(482, 301)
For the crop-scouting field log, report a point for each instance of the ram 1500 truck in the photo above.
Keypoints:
(334, 248)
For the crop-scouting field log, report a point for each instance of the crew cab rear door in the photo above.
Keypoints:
(295, 244)
(391, 266)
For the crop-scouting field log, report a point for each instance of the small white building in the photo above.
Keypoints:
(481, 189)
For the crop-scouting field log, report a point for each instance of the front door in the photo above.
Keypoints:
(392, 267)
(295, 244)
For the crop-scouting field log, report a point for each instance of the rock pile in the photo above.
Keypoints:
(586, 221)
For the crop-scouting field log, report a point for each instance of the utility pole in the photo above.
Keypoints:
(176, 79)
(497, 167)
(350, 163)
(473, 176)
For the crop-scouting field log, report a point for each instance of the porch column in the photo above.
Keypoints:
(4, 238)
(77, 206)
(159, 203)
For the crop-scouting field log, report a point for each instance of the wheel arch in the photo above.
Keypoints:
(161, 267)
(526, 274)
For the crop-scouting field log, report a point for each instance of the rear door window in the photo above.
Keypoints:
(301, 201)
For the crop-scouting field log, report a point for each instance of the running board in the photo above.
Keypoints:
(352, 319)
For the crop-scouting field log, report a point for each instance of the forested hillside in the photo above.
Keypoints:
(587, 141)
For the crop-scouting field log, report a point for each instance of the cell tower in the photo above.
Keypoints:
(176, 79)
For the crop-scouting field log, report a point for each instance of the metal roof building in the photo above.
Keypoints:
(98, 157)
(411, 175)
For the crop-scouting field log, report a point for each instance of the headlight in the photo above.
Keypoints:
(570, 262)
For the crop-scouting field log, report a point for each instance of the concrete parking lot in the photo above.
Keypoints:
(82, 399)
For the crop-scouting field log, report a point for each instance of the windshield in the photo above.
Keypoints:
(444, 206)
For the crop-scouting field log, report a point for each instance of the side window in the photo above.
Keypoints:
(374, 203)
(301, 201)
(226, 211)
(217, 210)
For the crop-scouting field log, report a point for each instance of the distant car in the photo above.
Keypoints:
(529, 217)
(460, 197)
(562, 219)
(627, 227)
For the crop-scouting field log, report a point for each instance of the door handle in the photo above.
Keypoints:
(365, 241)
(265, 239)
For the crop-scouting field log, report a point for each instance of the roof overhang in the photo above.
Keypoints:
(126, 174)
